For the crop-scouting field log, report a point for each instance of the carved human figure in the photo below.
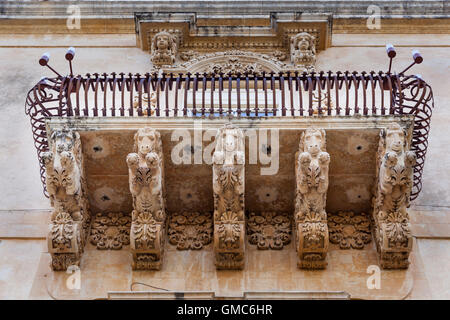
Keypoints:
(228, 187)
(145, 170)
(392, 196)
(67, 191)
(311, 191)
(303, 51)
(163, 49)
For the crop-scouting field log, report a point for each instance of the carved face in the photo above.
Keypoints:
(230, 141)
(303, 43)
(145, 140)
(395, 139)
(162, 42)
(313, 141)
(62, 141)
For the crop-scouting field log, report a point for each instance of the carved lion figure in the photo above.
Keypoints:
(303, 50)
(312, 173)
(145, 172)
(164, 48)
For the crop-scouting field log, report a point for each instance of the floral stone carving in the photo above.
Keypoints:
(190, 230)
(303, 51)
(67, 190)
(349, 230)
(228, 187)
(164, 49)
(146, 176)
(311, 229)
(269, 230)
(110, 231)
(392, 195)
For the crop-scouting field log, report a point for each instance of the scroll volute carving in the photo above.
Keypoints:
(312, 184)
(303, 51)
(229, 188)
(145, 169)
(392, 196)
(164, 48)
(67, 191)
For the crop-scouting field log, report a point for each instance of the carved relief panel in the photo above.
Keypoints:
(229, 188)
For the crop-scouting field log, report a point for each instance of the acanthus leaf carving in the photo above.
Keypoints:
(269, 230)
(110, 231)
(190, 230)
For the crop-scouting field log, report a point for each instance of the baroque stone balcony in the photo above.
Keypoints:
(305, 163)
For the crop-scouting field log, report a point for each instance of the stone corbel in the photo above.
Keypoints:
(69, 226)
(146, 178)
(229, 188)
(392, 195)
(311, 170)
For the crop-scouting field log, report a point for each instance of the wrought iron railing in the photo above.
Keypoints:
(264, 95)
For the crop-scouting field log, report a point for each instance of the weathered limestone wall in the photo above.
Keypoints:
(26, 275)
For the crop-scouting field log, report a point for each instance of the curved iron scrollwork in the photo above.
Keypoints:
(341, 93)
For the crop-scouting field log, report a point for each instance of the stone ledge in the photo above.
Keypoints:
(24, 224)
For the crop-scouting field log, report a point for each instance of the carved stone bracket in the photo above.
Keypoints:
(349, 230)
(110, 231)
(229, 188)
(190, 230)
(146, 177)
(392, 195)
(66, 186)
(269, 230)
(311, 170)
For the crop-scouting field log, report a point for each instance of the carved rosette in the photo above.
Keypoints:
(228, 187)
(269, 230)
(349, 230)
(189, 230)
(303, 52)
(311, 189)
(392, 195)
(66, 186)
(164, 48)
(146, 177)
(110, 231)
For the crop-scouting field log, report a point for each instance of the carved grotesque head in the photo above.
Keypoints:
(395, 138)
(163, 41)
(313, 141)
(63, 140)
(146, 140)
(303, 42)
